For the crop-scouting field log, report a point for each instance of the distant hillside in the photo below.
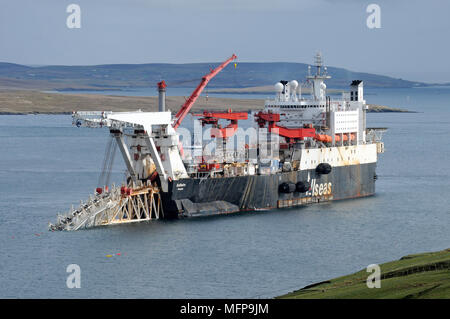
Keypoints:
(178, 75)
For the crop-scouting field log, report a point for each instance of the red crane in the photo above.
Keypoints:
(191, 100)
(213, 119)
(295, 133)
(290, 133)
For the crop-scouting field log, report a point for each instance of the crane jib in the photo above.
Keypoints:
(190, 102)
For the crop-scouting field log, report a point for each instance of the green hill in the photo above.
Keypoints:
(246, 74)
(424, 276)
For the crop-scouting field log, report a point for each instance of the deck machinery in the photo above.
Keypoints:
(297, 151)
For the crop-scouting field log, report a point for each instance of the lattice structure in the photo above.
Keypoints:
(118, 206)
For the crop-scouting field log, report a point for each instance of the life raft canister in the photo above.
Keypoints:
(302, 187)
(323, 168)
(286, 187)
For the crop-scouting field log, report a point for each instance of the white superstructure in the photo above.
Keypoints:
(343, 116)
(153, 142)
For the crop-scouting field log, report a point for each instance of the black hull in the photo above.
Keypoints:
(198, 197)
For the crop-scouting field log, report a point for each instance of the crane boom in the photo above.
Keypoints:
(191, 100)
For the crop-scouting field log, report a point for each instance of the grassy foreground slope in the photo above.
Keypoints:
(424, 275)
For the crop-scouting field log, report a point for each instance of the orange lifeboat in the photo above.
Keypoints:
(327, 138)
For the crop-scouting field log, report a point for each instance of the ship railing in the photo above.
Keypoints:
(375, 134)
(339, 105)
(98, 119)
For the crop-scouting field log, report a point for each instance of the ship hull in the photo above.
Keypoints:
(210, 196)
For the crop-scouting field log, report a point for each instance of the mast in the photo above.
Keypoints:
(319, 87)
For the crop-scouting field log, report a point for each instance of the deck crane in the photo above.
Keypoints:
(214, 117)
(293, 134)
(191, 100)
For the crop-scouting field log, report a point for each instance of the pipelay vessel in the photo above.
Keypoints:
(297, 150)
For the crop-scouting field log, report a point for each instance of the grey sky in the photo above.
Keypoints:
(412, 43)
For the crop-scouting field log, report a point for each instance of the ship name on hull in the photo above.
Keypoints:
(319, 189)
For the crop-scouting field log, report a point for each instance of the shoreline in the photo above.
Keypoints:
(24, 102)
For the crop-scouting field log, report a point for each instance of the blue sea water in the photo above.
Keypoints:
(46, 165)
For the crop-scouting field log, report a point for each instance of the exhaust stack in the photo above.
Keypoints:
(162, 96)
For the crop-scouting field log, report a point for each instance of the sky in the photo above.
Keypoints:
(412, 43)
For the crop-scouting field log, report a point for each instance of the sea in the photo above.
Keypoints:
(47, 165)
